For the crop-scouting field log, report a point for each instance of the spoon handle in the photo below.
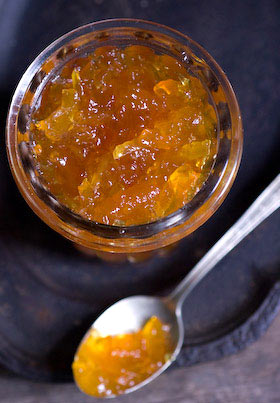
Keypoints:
(263, 206)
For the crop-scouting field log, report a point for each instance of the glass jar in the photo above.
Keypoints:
(139, 238)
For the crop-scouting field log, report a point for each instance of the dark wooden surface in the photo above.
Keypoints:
(251, 376)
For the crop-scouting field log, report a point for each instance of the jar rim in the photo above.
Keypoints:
(132, 238)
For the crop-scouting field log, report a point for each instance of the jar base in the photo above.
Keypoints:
(134, 258)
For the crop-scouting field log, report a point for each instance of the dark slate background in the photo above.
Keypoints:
(49, 292)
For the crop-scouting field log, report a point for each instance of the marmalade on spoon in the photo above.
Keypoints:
(124, 136)
(107, 366)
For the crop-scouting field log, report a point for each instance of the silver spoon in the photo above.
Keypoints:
(130, 314)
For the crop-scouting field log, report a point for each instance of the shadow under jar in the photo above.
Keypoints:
(115, 242)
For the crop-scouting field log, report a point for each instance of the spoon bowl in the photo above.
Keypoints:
(130, 315)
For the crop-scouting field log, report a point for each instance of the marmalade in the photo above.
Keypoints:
(124, 136)
(107, 366)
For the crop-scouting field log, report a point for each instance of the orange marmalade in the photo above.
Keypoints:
(107, 366)
(124, 136)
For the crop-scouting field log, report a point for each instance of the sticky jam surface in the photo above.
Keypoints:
(124, 136)
(106, 366)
